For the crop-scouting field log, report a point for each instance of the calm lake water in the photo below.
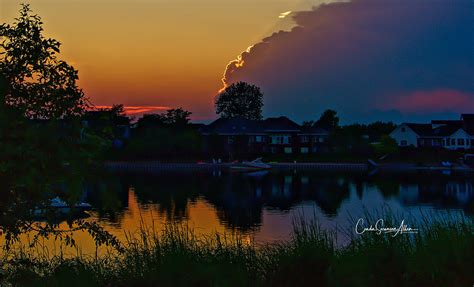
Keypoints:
(262, 205)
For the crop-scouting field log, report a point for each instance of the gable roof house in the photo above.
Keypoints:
(449, 134)
(272, 135)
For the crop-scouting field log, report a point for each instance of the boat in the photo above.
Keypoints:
(256, 164)
(58, 205)
(61, 204)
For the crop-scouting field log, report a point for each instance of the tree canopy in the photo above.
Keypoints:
(37, 82)
(240, 100)
(173, 117)
(44, 151)
(328, 119)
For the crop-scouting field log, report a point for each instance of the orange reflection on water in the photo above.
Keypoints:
(201, 217)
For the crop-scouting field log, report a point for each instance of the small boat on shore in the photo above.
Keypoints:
(256, 164)
(60, 206)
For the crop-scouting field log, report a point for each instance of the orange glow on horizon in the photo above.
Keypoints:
(174, 60)
(134, 110)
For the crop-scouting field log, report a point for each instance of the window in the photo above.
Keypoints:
(273, 149)
(288, 150)
(460, 141)
(230, 140)
(251, 139)
(280, 139)
(321, 139)
(304, 150)
(448, 142)
(314, 149)
(258, 139)
(304, 139)
(453, 141)
(403, 130)
(403, 143)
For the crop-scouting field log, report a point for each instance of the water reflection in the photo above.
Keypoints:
(262, 205)
(240, 201)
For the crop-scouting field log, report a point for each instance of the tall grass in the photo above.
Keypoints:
(441, 254)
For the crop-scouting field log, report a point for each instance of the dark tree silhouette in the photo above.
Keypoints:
(44, 151)
(37, 82)
(240, 100)
(177, 116)
(173, 117)
(328, 119)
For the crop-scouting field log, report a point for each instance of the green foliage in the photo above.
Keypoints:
(177, 118)
(328, 119)
(164, 142)
(357, 138)
(240, 100)
(164, 136)
(44, 151)
(387, 145)
(349, 139)
(439, 255)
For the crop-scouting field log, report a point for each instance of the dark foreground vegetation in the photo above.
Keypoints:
(440, 255)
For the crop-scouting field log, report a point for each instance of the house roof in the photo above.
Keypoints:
(446, 129)
(420, 129)
(238, 126)
(280, 124)
(468, 120)
(467, 117)
(446, 122)
(232, 126)
(314, 130)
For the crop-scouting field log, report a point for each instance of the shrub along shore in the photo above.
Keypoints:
(441, 254)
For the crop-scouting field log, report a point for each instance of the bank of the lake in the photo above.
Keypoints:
(368, 165)
(439, 254)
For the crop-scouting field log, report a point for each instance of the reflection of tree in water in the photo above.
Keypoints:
(239, 199)
(388, 187)
(329, 193)
(172, 193)
(108, 194)
(236, 201)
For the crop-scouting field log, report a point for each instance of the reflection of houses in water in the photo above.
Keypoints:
(462, 192)
(279, 189)
(240, 200)
(408, 193)
(439, 193)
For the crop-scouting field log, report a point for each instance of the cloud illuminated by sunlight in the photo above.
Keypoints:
(284, 14)
(237, 63)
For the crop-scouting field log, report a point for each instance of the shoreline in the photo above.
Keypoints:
(136, 166)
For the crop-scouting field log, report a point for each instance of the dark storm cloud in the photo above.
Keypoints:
(368, 59)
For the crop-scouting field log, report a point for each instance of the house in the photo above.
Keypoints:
(273, 135)
(449, 134)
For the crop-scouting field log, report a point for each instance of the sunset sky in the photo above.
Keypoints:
(367, 59)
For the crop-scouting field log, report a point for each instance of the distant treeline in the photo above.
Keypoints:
(172, 136)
